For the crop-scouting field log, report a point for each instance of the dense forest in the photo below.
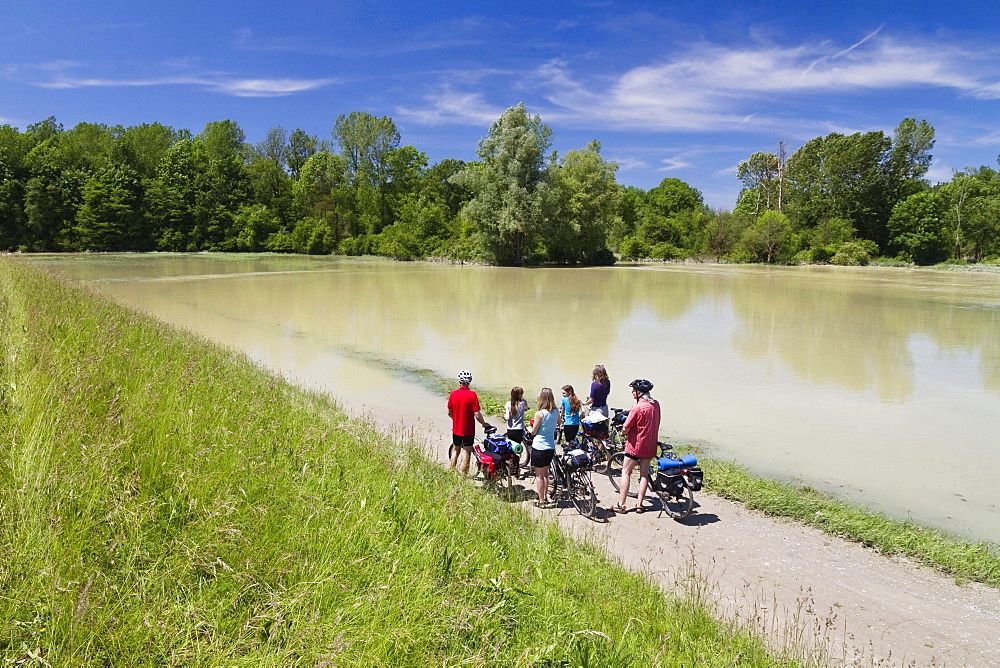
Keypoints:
(842, 199)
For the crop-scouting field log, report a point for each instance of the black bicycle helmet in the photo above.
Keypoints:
(641, 384)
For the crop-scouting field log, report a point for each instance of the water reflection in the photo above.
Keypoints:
(862, 381)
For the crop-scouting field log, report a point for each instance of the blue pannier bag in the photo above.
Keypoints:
(498, 444)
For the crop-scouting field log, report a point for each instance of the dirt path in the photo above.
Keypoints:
(804, 589)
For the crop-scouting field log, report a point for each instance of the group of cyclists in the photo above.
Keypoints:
(640, 429)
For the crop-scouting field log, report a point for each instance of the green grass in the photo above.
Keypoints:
(979, 562)
(165, 501)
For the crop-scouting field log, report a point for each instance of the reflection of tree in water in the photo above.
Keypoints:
(833, 328)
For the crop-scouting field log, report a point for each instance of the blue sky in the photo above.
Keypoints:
(670, 89)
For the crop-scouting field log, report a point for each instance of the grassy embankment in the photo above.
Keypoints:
(978, 562)
(163, 500)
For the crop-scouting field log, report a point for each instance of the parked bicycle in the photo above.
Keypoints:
(672, 478)
(568, 478)
(496, 462)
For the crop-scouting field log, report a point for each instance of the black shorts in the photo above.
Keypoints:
(570, 431)
(541, 458)
(463, 441)
(633, 457)
(516, 435)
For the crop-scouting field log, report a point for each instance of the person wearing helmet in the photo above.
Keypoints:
(641, 429)
(463, 409)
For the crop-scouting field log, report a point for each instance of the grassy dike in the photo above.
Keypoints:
(978, 562)
(163, 500)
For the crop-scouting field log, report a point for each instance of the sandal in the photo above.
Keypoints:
(638, 510)
(617, 508)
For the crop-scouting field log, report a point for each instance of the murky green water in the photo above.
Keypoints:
(882, 385)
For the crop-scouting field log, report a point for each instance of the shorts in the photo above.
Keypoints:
(603, 410)
(516, 435)
(541, 458)
(570, 431)
(635, 458)
(463, 441)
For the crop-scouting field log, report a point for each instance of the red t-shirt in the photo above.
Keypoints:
(463, 404)
(642, 425)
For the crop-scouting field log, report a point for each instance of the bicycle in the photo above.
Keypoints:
(673, 479)
(495, 462)
(568, 477)
(596, 438)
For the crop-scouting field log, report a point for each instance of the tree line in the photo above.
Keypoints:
(843, 199)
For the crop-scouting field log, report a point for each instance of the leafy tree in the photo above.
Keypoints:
(722, 230)
(301, 147)
(586, 204)
(769, 239)
(252, 226)
(172, 199)
(109, 217)
(510, 186)
(274, 147)
(759, 175)
(367, 143)
(221, 183)
(917, 227)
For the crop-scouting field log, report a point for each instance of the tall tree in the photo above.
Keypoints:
(510, 185)
(586, 199)
(759, 173)
(367, 143)
(301, 146)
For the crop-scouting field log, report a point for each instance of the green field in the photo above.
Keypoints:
(165, 501)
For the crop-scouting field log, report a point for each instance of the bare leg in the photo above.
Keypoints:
(466, 459)
(627, 466)
(643, 481)
(542, 483)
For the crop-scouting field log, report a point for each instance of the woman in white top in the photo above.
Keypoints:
(513, 413)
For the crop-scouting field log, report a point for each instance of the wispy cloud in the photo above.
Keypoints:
(59, 75)
(712, 87)
(453, 107)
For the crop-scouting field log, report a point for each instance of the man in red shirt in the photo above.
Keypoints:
(463, 409)
(641, 429)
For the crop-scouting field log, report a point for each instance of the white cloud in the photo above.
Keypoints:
(454, 107)
(711, 87)
(213, 82)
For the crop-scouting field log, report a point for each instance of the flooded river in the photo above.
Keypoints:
(880, 385)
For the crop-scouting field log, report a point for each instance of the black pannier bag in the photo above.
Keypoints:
(697, 478)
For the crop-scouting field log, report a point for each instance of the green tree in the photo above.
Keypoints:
(301, 147)
(511, 193)
(586, 198)
(109, 218)
(759, 175)
(367, 143)
(917, 228)
(769, 239)
(221, 184)
(172, 199)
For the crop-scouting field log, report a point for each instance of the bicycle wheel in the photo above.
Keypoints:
(677, 506)
(616, 463)
(555, 480)
(598, 454)
(503, 481)
(581, 493)
(616, 440)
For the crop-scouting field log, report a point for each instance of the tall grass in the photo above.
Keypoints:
(164, 501)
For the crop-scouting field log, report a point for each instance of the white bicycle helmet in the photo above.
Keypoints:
(465, 377)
